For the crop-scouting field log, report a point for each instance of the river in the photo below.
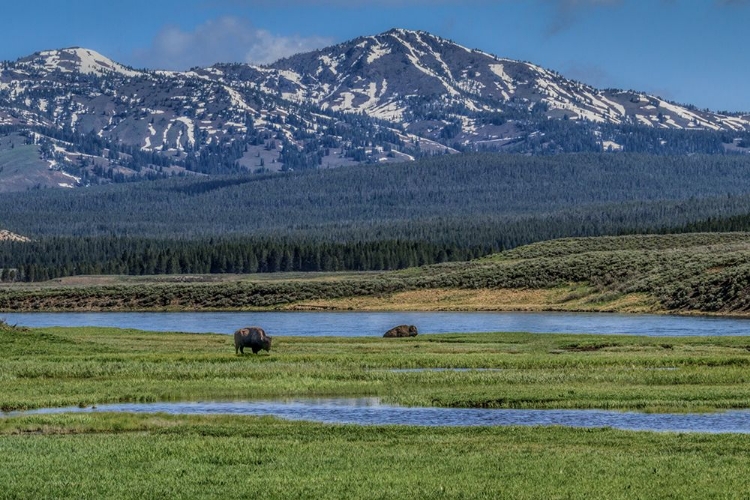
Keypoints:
(364, 324)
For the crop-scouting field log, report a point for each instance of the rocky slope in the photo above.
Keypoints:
(404, 76)
(6, 235)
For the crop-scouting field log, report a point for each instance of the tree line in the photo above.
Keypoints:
(58, 257)
(366, 217)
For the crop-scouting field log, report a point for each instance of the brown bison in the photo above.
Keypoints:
(402, 331)
(253, 337)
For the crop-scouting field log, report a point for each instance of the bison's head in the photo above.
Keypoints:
(266, 343)
(412, 330)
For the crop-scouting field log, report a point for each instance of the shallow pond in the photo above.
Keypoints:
(361, 324)
(370, 411)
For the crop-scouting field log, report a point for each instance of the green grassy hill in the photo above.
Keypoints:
(690, 273)
(22, 169)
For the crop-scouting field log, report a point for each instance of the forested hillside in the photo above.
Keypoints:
(68, 256)
(366, 217)
(396, 201)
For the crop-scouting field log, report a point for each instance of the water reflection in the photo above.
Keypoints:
(370, 411)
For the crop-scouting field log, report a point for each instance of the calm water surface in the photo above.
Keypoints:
(357, 324)
(370, 411)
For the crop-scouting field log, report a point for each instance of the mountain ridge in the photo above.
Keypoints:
(383, 98)
(502, 79)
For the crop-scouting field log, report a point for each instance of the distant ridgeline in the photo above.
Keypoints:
(367, 217)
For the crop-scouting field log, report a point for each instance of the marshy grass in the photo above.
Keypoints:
(155, 456)
(150, 456)
(86, 366)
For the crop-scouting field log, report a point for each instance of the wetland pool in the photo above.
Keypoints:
(371, 411)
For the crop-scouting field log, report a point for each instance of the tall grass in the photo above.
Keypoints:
(118, 456)
(61, 367)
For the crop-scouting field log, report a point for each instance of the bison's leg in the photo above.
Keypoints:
(242, 349)
(255, 350)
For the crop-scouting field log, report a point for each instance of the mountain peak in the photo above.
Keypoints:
(77, 59)
(403, 31)
(406, 76)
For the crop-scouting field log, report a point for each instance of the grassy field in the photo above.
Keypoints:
(85, 366)
(122, 456)
(685, 274)
(157, 456)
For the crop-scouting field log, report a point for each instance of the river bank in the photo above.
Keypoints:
(674, 274)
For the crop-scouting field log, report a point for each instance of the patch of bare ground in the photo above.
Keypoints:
(6, 235)
(556, 299)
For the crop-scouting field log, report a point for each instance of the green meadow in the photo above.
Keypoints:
(157, 456)
(86, 366)
(123, 456)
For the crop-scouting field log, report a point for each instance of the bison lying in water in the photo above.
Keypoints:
(253, 337)
(402, 331)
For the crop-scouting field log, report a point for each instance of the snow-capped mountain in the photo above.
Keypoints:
(394, 75)
(389, 97)
(75, 60)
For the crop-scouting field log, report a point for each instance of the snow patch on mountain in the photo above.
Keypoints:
(346, 102)
(611, 146)
(82, 60)
(499, 70)
(688, 115)
(190, 129)
(735, 123)
(237, 99)
(414, 57)
(377, 51)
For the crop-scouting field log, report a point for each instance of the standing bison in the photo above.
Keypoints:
(402, 331)
(253, 337)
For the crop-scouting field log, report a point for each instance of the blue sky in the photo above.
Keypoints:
(689, 51)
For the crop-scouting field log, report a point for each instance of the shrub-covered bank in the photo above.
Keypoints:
(707, 273)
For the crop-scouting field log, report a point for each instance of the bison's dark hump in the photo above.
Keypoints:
(252, 331)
